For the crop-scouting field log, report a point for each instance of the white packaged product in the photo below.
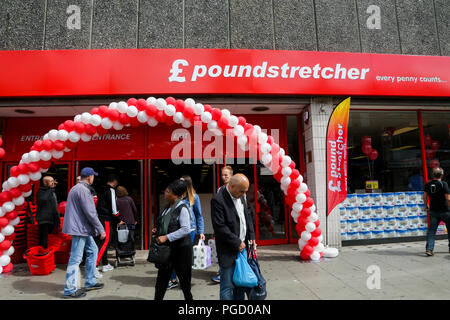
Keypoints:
(344, 227)
(353, 234)
(364, 200)
(344, 236)
(202, 256)
(352, 224)
(378, 211)
(365, 222)
(353, 212)
(364, 233)
(400, 197)
(388, 199)
(352, 200)
(343, 213)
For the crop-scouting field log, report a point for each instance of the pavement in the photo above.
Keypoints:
(399, 271)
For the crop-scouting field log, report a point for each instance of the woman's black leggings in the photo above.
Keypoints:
(181, 261)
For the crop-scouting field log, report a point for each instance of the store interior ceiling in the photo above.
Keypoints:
(70, 111)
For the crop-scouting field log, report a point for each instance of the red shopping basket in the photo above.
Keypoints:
(41, 261)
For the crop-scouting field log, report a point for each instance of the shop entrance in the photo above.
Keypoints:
(131, 175)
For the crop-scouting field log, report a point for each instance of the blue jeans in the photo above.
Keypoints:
(174, 274)
(79, 245)
(431, 233)
(227, 289)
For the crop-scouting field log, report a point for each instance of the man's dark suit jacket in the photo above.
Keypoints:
(225, 221)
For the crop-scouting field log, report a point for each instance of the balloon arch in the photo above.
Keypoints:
(151, 112)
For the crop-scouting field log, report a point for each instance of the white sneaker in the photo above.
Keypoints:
(97, 274)
(108, 267)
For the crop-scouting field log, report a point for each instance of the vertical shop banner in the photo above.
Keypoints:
(337, 155)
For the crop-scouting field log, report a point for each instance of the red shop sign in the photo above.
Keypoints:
(220, 71)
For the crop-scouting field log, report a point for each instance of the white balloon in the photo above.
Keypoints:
(8, 206)
(206, 117)
(286, 171)
(303, 187)
(320, 238)
(113, 105)
(257, 129)
(35, 176)
(77, 118)
(160, 104)
(189, 102)
(10, 251)
(242, 140)
(26, 158)
(23, 178)
(84, 136)
(106, 123)
(301, 244)
(151, 100)
(117, 125)
(297, 207)
(300, 198)
(313, 217)
(265, 148)
(233, 121)
(212, 125)
(63, 135)
(132, 111)
(142, 117)
(295, 215)
(199, 109)
(27, 194)
(282, 152)
(13, 182)
(122, 107)
(16, 221)
(4, 260)
(53, 134)
(96, 120)
(67, 149)
(8, 230)
(5, 186)
(305, 236)
(262, 138)
(178, 117)
(43, 170)
(238, 130)
(86, 117)
(170, 110)
(152, 122)
(45, 155)
(266, 158)
(18, 202)
(330, 252)
(45, 137)
(300, 178)
(34, 155)
(73, 137)
(1, 269)
(315, 256)
(320, 247)
(226, 113)
(310, 227)
(2, 237)
(313, 208)
(285, 181)
(186, 123)
(286, 161)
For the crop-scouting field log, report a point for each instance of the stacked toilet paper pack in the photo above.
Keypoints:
(212, 245)
(383, 215)
(202, 256)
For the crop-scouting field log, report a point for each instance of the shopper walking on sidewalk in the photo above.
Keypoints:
(81, 222)
(233, 227)
(439, 194)
(47, 213)
(107, 213)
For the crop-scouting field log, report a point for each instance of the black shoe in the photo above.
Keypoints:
(429, 253)
(172, 284)
(76, 294)
(96, 286)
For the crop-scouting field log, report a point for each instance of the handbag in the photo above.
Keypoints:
(243, 275)
(158, 253)
(258, 292)
(202, 256)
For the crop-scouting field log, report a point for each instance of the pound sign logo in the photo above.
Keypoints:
(176, 70)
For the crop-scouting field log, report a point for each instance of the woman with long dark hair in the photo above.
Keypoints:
(173, 228)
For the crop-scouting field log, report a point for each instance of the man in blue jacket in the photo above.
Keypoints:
(81, 222)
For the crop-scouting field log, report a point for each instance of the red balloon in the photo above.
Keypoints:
(90, 129)
(4, 245)
(188, 112)
(14, 171)
(430, 153)
(132, 102)
(241, 121)
(124, 119)
(62, 207)
(292, 193)
(308, 250)
(23, 168)
(100, 130)
(94, 111)
(135, 122)
(308, 203)
(1, 141)
(3, 222)
(34, 166)
(160, 116)
(435, 163)
(366, 140)
(25, 187)
(278, 175)
(58, 145)
(38, 145)
(15, 193)
(151, 110)
(11, 215)
(314, 241)
(103, 111)
(275, 149)
(316, 233)
(292, 165)
(11, 237)
(307, 193)
(366, 149)
(373, 155)
(69, 125)
(427, 140)
(207, 108)
(317, 223)
(2, 153)
(8, 268)
(180, 106)
(299, 227)
(306, 212)
(141, 105)
(223, 123)
(216, 114)
(248, 129)
(304, 256)
(113, 114)
(47, 145)
(294, 175)
(171, 100)
(197, 120)
(45, 164)
(295, 183)
(169, 121)
(270, 140)
(435, 145)
(302, 221)
(69, 144)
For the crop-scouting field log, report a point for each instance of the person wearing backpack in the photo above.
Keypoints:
(439, 194)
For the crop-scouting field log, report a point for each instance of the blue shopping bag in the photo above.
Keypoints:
(243, 275)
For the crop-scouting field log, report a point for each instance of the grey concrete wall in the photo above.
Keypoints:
(377, 26)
